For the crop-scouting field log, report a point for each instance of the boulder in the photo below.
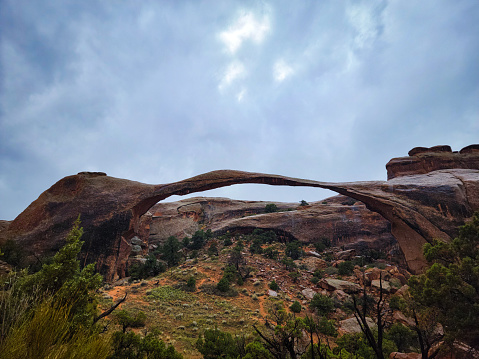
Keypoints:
(308, 293)
(435, 149)
(423, 160)
(313, 263)
(351, 325)
(470, 149)
(386, 286)
(272, 293)
(341, 296)
(331, 285)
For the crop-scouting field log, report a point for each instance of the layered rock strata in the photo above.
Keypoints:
(422, 160)
(342, 220)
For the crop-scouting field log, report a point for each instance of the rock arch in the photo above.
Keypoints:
(420, 208)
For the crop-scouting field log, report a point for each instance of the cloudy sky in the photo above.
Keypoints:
(159, 91)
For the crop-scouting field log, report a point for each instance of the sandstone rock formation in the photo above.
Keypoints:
(340, 219)
(419, 207)
(423, 160)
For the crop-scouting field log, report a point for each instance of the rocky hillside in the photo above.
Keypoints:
(344, 221)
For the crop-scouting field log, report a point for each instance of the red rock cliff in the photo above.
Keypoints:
(423, 160)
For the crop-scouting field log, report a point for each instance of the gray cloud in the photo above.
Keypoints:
(160, 91)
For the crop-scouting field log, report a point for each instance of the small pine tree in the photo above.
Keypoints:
(296, 307)
(273, 285)
(223, 285)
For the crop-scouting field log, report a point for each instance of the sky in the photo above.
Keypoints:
(159, 91)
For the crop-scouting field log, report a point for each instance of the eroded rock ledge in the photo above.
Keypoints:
(422, 160)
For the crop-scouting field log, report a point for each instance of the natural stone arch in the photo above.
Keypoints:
(111, 209)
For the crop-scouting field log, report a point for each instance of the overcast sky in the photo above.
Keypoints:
(159, 91)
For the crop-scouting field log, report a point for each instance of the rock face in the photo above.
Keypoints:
(342, 220)
(419, 207)
(423, 160)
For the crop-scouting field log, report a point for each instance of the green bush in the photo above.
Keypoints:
(270, 252)
(271, 208)
(294, 250)
(404, 338)
(322, 304)
(345, 268)
(213, 249)
(223, 285)
(327, 327)
(170, 251)
(49, 333)
(128, 320)
(289, 263)
(217, 344)
(273, 285)
(296, 307)
(13, 254)
(255, 247)
(191, 284)
(132, 346)
(396, 302)
(151, 268)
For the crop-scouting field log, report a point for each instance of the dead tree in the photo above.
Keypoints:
(379, 310)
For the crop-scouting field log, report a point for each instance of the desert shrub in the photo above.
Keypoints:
(215, 343)
(212, 289)
(321, 244)
(213, 249)
(131, 346)
(129, 320)
(303, 203)
(255, 247)
(322, 304)
(294, 250)
(345, 268)
(64, 279)
(326, 327)
(265, 236)
(152, 267)
(167, 294)
(317, 275)
(13, 253)
(289, 263)
(170, 251)
(48, 333)
(223, 285)
(227, 242)
(328, 257)
(199, 239)
(396, 302)
(296, 307)
(450, 287)
(273, 285)
(271, 208)
(271, 253)
(185, 242)
(191, 284)
(404, 338)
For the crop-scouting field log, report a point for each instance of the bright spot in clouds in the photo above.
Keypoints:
(281, 70)
(234, 71)
(246, 27)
